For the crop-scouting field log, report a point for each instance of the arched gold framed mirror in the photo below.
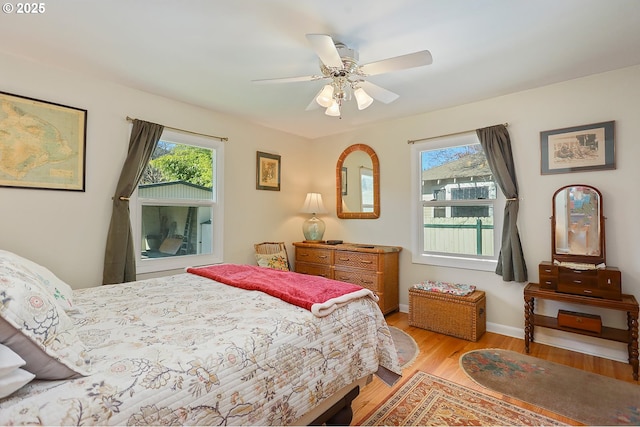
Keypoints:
(358, 183)
(577, 225)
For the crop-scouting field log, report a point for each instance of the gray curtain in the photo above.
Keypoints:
(119, 257)
(497, 147)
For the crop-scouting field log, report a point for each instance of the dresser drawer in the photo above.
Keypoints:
(579, 282)
(549, 282)
(314, 269)
(585, 278)
(357, 260)
(362, 278)
(318, 256)
(547, 269)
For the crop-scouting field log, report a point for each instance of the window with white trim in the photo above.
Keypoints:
(457, 204)
(366, 189)
(177, 207)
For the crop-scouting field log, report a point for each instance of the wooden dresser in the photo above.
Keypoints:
(373, 267)
(602, 282)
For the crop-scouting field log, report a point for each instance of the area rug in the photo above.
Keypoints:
(586, 397)
(427, 400)
(406, 346)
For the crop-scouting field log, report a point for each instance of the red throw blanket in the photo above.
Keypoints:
(319, 295)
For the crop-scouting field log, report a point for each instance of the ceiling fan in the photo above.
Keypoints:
(339, 65)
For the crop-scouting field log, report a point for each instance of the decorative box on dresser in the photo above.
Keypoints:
(373, 267)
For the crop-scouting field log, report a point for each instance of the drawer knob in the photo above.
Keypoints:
(366, 262)
(367, 281)
(577, 281)
(304, 254)
(322, 256)
(344, 259)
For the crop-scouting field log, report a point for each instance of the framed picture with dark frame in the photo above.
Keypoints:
(577, 149)
(42, 144)
(267, 171)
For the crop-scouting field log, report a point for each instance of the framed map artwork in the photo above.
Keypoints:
(42, 144)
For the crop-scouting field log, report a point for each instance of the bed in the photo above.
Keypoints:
(182, 350)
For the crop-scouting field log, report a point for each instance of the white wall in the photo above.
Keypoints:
(66, 231)
(604, 97)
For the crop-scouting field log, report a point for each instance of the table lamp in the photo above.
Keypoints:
(313, 228)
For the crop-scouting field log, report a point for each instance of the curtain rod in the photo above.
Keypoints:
(221, 138)
(412, 141)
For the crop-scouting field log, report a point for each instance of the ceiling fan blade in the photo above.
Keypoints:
(289, 79)
(383, 95)
(326, 50)
(411, 60)
(312, 105)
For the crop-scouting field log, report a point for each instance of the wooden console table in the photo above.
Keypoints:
(628, 304)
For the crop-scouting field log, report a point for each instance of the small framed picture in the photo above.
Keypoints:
(579, 148)
(267, 171)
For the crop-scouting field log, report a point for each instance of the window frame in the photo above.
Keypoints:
(154, 265)
(419, 255)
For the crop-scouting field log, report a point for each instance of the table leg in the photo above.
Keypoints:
(632, 321)
(528, 321)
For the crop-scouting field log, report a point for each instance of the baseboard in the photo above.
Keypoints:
(565, 340)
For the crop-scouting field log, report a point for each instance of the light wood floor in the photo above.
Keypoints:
(439, 355)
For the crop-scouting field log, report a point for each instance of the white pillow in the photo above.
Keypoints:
(9, 360)
(34, 326)
(41, 276)
(13, 381)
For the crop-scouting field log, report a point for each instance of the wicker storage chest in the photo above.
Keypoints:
(459, 316)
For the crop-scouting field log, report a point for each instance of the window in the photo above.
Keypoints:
(458, 205)
(366, 189)
(176, 209)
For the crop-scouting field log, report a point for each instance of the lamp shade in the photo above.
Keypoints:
(362, 98)
(333, 109)
(325, 97)
(313, 204)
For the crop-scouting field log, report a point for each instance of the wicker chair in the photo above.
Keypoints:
(269, 248)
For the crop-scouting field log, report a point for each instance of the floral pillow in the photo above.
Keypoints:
(277, 261)
(34, 326)
(41, 276)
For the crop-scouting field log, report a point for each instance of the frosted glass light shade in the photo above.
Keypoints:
(333, 110)
(362, 98)
(325, 97)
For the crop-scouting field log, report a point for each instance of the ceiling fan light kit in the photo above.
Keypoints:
(339, 64)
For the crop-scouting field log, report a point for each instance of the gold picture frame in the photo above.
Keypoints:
(42, 144)
(267, 171)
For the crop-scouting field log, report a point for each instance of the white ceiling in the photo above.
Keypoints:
(207, 52)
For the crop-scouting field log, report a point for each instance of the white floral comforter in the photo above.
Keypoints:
(188, 350)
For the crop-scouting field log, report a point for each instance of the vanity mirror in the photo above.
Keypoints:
(577, 225)
(358, 183)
